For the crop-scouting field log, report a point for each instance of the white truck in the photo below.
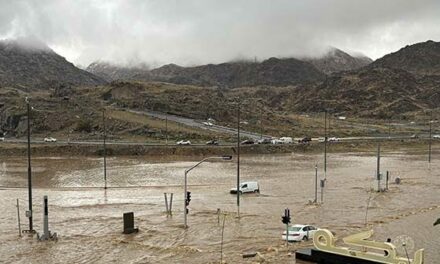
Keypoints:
(247, 187)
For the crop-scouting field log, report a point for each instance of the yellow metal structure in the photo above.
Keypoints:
(362, 248)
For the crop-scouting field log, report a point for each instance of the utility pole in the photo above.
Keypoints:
(31, 229)
(430, 138)
(378, 167)
(166, 129)
(261, 123)
(389, 128)
(316, 183)
(105, 149)
(325, 145)
(238, 157)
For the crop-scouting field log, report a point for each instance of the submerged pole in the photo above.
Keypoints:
(378, 167)
(18, 218)
(430, 139)
(105, 150)
(325, 145)
(238, 157)
(316, 183)
(31, 228)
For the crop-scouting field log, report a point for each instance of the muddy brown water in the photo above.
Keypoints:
(88, 219)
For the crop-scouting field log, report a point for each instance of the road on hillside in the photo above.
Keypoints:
(199, 124)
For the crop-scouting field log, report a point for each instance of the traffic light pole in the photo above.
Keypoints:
(185, 195)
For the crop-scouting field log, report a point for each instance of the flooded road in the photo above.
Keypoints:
(88, 219)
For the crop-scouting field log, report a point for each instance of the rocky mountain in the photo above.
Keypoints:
(421, 58)
(402, 82)
(336, 60)
(37, 66)
(274, 72)
(111, 72)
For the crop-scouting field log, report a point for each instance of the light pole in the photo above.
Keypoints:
(325, 145)
(185, 198)
(105, 150)
(166, 128)
(316, 184)
(430, 139)
(261, 124)
(238, 157)
(31, 229)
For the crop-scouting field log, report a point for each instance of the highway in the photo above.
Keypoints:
(198, 124)
(171, 144)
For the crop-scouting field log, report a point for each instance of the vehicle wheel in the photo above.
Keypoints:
(305, 238)
(240, 192)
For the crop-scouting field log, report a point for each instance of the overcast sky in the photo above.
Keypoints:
(189, 32)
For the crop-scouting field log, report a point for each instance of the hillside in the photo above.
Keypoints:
(402, 82)
(421, 58)
(34, 67)
(274, 72)
(336, 60)
(110, 72)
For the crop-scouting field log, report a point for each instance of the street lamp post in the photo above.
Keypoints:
(29, 165)
(186, 184)
(105, 150)
(430, 139)
(238, 157)
(325, 145)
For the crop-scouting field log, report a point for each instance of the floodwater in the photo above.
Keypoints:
(88, 219)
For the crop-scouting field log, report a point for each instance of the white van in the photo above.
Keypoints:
(247, 187)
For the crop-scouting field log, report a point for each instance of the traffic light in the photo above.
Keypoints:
(188, 198)
(286, 217)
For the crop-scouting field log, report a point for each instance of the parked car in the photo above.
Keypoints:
(247, 142)
(207, 123)
(436, 136)
(299, 232)
(264, 141)
(305, 140)
(183, 142)
(415, 136)
(2, 139)
(212, 142)
(247, 187)
(286, 140)
(50, 139)
(276, 141)
(333, 139)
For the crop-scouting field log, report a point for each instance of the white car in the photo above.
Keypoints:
(247, 187)
(286, 140)
(183, 142)
(333, 139)
(50, 139)
(299, 232)
(276, 141)
(436, 136)
(2, 139)
(207, 123)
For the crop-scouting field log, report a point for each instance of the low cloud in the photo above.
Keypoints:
(207, 31)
